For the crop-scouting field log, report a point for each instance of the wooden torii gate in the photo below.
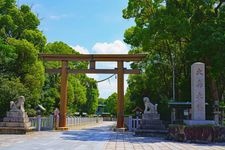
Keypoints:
(92, 59)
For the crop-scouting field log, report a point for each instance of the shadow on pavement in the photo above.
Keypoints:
(105, 133)
(101, 133)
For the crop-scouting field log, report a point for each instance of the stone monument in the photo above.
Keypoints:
(198, 95)
(198, 91)
(150, 122)
(16, 120)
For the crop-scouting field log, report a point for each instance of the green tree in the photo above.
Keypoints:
(101, 101)
(7, 58)
(92, 94)
(31, 70)
(20, 42)
(111, 104)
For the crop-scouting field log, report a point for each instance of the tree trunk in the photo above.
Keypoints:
(214, 90)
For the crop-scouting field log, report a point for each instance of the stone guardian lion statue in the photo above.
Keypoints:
(18, 105)
(149, 107)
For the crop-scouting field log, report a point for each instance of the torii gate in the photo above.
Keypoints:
(92, 58)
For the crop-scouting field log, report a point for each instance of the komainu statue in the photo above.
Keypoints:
(18, 105)
(149, 107)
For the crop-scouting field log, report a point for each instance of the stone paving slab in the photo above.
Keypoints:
(127, 141)
(98, 137)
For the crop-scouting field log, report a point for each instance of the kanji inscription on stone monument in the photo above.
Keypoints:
(198, 91)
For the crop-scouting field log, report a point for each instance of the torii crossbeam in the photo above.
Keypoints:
(92, 59)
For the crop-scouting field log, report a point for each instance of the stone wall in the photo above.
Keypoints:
(197, 133)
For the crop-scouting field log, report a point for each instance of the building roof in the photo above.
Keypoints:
(186, 104)
(137, 109)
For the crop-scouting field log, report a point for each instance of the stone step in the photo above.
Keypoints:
(2, 124)
(156, 124)
(152, 127)
(16, 119)
(16, 124)
(151, 116)
(151, 122)
(151, 132)
(15, 130)
(17, 114)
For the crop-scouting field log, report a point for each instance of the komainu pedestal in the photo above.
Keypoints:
(150, 123)
(16, 120)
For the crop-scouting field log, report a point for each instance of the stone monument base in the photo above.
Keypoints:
(15, 122)
(151, 125)
(151, 121)
(151, 132)
(150, 116)
(15, 130)
(199, 122)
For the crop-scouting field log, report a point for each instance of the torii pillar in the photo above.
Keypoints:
(63, 96)
(120, 99)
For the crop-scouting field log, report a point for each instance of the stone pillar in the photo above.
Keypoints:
(222, 118)
(39, 122)
(130, 123)
(173, 115)
(198, 91)
(216, 112)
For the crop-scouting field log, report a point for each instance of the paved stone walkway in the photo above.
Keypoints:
(95, 138)
(127, 141)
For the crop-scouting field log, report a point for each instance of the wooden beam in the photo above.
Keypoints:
(92, 64)
(92, 57)
(94, 71)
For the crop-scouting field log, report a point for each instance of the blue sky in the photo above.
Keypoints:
(89, 26)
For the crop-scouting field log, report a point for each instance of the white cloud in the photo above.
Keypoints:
(80, 49)
(116, 47)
